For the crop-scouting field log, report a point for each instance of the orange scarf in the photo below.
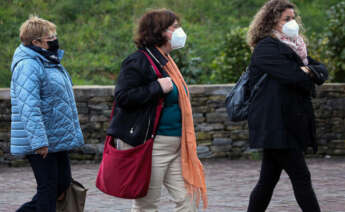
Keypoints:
(192, 169)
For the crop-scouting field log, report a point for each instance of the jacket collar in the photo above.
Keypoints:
(23, 52)
(33, 53)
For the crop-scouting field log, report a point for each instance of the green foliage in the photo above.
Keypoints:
(5, 79)
(97, 34)
(314, 13)
(233, 58)
(329, 47)
(189, 66)
(318, 48)
(336, 41)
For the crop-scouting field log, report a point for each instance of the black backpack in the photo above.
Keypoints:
(239, 98)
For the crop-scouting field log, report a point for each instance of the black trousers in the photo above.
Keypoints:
(293, 162)
(53, 176)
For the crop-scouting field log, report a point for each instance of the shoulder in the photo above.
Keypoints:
(136, 64)
(29, 66)
(267, 42)
(136, 59)
(32, 62)
(267, 45)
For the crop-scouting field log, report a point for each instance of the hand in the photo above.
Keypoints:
(166, 84)
(43, 151)
(305, 69)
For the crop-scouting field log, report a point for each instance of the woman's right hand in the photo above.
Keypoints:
(166, 84)
(43, 151)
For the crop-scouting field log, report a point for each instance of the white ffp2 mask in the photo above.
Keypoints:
(178, 38)
(291, 29)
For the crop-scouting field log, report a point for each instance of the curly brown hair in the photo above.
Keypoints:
(151, 27)
(267, 18)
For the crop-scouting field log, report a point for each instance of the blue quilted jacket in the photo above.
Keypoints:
(44, 111)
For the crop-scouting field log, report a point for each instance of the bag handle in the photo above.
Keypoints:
(158, 73)
(161, 100)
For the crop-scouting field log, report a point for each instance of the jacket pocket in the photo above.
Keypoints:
(132, 126)
(138, 128)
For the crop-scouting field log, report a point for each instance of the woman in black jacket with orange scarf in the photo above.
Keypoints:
(281, 116)
(175, 164)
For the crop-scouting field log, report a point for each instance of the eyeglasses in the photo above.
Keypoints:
(51, 37)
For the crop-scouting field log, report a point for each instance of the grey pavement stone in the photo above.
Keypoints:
(229, 185)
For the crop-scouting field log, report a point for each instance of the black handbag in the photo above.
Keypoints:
(240, 96)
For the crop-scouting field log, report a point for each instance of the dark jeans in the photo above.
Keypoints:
(293, 162)
(53, 176)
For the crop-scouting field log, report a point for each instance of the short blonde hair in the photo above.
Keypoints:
(35, 28)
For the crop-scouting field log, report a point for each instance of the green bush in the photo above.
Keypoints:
(336, 41)
(97, 35)
(329, 47)
(318, 48)
(233, 59)
(189, 66)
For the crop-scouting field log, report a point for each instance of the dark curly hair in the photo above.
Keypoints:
(267, 18)
(151, 26)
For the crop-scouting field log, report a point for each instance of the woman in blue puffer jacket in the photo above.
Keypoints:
(45, 121)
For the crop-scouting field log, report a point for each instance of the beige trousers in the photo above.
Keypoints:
(166, 170)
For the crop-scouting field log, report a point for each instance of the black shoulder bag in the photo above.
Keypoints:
(238, 100)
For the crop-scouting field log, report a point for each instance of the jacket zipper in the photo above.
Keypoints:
(148, 127)
(131, 131)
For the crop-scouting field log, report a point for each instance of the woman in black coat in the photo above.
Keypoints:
(281, 116)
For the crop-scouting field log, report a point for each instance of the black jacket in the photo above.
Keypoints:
(281, 114)
(136, 96)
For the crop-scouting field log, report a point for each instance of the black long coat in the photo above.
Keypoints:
(281, 114)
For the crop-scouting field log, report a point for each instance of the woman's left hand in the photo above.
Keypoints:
(166, 84)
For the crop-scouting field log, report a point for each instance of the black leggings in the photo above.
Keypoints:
(293, 162)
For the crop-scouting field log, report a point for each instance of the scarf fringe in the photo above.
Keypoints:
(197, 194)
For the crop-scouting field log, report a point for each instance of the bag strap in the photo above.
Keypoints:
(161, 100)
(257, 86)
(158, 73)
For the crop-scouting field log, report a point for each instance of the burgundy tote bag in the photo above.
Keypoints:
(126, 173)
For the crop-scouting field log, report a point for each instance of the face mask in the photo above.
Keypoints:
(291, 29)
(53, 45)
(178, 39)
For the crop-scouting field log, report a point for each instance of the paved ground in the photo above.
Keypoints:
(229, 185)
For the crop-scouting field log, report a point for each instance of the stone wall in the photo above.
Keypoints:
(216, 135)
